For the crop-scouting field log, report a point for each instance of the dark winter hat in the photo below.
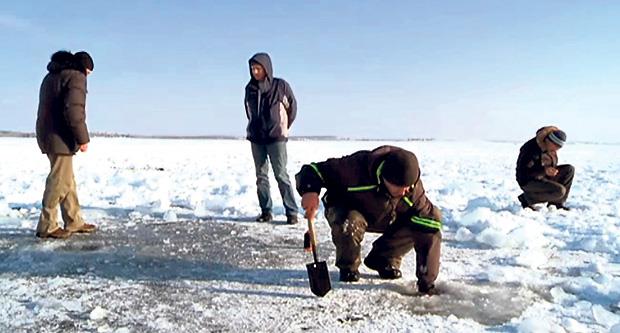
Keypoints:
(62, 57)
(84, 60)
(558, 137)
(401, 168)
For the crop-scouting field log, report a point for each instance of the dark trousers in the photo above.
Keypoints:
(553, 190)
(276, 153)
(348, 229)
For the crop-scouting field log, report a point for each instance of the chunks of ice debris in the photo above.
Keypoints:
(474, 217)
(464, 235)
(135, 215)
(531, 258)
(492, 237)
(536, 325)
(170, 216)
(604, 317)
(98, 313)
(572, 325)
(562, 297)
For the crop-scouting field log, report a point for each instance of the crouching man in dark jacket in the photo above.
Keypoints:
(376, 191)
(538, 173)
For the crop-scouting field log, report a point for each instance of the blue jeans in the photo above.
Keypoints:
(277, 155)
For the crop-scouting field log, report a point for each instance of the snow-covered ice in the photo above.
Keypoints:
(178, 250)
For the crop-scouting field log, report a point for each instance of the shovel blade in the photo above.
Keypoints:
(318, 276)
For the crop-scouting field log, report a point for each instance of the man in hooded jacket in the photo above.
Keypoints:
(61, 132)
(270, 107)
(538, 173)
(376, 191)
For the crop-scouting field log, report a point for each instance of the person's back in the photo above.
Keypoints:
(61, 126)
(355, 181)
(529, 152)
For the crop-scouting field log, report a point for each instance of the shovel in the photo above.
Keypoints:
(318, 274)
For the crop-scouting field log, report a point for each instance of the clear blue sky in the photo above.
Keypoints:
(442, 69)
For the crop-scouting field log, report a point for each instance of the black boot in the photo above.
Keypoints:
(428, 289)
(347, 275)
(292, 219)
(558, 206)
(264, 217)
(385, 269)
(523, 202)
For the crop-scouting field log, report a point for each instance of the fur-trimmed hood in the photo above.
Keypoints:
(542, 134)
(62, 60)
(59, 61)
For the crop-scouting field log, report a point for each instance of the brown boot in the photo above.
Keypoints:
(59, 233)
(85, 229)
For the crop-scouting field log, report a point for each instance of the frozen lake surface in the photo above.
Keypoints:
(178, 251)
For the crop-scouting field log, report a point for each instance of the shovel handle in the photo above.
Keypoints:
(312, 238)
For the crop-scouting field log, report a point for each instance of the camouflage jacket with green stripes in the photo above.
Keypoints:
(354, 182)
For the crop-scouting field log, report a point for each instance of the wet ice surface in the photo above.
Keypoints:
(212, 275)
(487, 304)
(177, 249)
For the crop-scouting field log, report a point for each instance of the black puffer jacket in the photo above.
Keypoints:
(269, 105)
(355, 182)
(61, 120)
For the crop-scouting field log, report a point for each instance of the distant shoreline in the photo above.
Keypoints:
(16, 134)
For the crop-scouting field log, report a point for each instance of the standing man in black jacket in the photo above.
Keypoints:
(538, 173)
(61, 132)
(271, 109)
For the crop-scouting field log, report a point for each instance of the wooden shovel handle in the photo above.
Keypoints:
(312, 238)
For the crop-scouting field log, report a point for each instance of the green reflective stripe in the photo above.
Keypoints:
(313, 166)
(379, 171)
(361, 188)
(426, 222)
(408, 201)
(368, 187)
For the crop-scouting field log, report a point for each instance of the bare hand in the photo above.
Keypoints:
(551, 172)
(310, 203)
(84, 147)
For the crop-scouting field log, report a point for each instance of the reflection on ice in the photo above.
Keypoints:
(487, 304)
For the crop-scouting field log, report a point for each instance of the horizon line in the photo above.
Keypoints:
(19, 134)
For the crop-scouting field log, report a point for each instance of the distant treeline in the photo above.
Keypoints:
(13, 134)
(214, 137)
